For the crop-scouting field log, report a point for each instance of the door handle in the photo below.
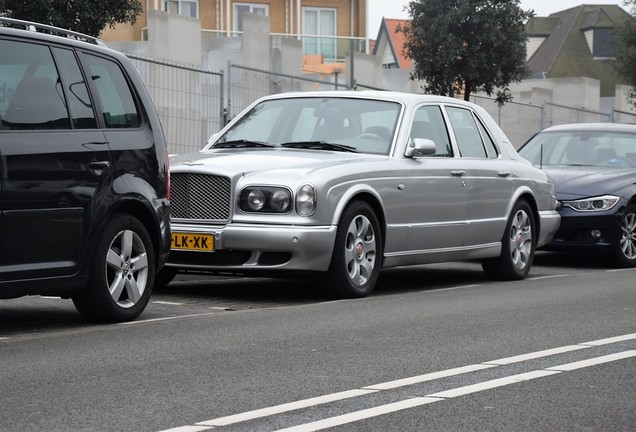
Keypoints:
(98, 166)
(458, 173)
(504, 174)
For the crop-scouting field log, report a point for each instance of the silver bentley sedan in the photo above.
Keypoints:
(343, 184)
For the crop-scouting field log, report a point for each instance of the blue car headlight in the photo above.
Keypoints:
(265, 199)
(592, 204)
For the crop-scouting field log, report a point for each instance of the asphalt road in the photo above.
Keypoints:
(436, 348)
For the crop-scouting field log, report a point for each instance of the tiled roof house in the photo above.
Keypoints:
(575, 42)
(389, 45)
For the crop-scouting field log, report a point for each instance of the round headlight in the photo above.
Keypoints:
(281, 200)
(256, 199)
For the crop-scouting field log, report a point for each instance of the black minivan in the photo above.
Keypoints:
(84, 182)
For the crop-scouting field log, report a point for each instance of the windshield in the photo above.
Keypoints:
(581, 148)
(331, 123)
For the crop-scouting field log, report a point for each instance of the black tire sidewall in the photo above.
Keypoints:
(95, 302)
(337, 278)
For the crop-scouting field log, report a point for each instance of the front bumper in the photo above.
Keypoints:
(550, 221)
(258, 249)
(587, 231)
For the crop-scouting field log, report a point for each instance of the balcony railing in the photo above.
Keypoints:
(333, 48)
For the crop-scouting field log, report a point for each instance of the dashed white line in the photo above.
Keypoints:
(361, 415)
(278, 409)
(372, 412)
(452, 393)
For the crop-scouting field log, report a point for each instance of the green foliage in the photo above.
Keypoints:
(84, 16)
(467, 45)
(625, 49)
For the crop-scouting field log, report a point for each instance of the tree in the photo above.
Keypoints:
(467, 45)
(625, 50)
(84, 16)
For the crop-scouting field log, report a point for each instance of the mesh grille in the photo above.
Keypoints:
(200, 197)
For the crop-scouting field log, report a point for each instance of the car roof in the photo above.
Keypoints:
(47, 33)
(600, 127)
(373, 94)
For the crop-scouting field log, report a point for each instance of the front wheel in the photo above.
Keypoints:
(626, 248)
(357, 255)
(121, 274)
(517, 246)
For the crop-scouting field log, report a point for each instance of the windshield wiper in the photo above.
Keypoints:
(241, 143)
(319, 145)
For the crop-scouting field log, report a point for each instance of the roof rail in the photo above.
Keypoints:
(43, 28)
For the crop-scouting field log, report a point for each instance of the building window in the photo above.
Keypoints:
(602, 45)
(322, 23)
(189, 8)
(243, 8)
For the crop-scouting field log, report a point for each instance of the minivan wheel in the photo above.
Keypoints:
(517, 246)
(357, 255)
(121, 275)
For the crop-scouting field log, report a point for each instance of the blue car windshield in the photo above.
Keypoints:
(353, 124)
(581, 148)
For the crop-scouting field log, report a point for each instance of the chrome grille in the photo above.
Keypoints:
(200, 196)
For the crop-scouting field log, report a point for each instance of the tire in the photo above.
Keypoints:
(357, 255)
(517, 246)
(121, 274)
(625, 252)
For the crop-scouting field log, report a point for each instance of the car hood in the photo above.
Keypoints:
(248, 162)
(580, 182)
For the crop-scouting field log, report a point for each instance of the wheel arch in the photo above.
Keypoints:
(373, 200)
(527, 196)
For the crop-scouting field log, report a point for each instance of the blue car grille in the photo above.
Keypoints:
(200, 197)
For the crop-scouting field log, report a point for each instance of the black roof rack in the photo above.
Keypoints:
(43, 28)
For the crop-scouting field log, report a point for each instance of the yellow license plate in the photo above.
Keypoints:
(192, 242)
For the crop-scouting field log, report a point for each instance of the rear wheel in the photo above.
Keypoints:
(121, 275)
(626, 248)
(357, 256)
(517, 246)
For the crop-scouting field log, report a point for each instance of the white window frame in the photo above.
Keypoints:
(165, 3)
(252, 7)
(322, 39)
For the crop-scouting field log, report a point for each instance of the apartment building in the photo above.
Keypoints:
(325, 27)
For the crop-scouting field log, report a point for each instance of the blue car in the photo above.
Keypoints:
(594, 168)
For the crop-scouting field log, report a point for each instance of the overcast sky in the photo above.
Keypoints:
(395, 9)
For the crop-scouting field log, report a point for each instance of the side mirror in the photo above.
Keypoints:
(420, 147)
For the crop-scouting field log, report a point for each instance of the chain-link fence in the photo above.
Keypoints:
(248, 84)
(195, 103)
(189, 101)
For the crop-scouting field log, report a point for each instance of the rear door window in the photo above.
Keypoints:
(31, 93)
(119, 109)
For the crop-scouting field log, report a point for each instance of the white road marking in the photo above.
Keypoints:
(611, 340)
(593, 361)
(265, 412)
(535, 355)
(487, 385)
(547, 277)
(452, 393)
(189, 429)
(361, 415)
(167, 303)
(347, 418)
(428, 377)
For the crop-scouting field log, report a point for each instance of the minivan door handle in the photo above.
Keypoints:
(99, 166)
(458, 173)
(504, 174)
